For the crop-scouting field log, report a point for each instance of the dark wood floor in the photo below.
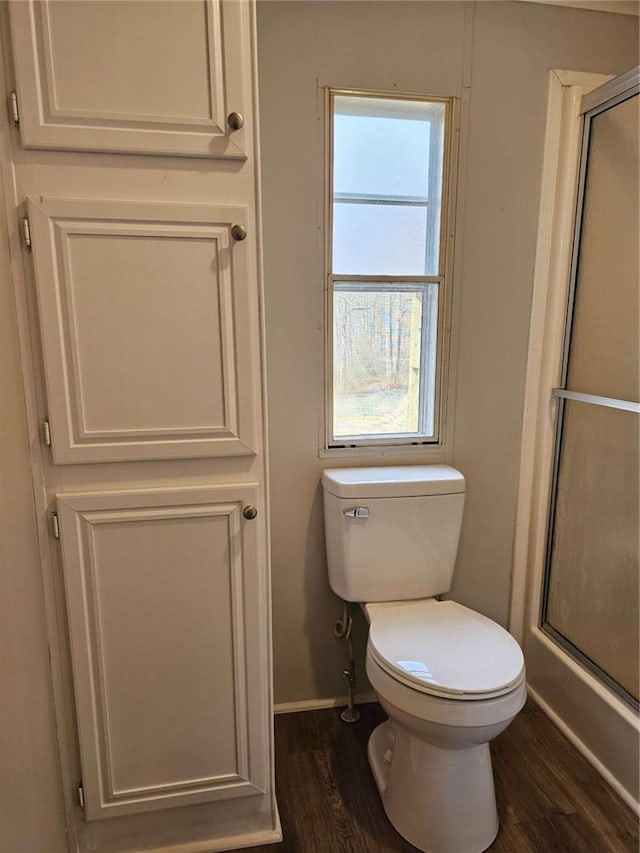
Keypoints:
(549, 797)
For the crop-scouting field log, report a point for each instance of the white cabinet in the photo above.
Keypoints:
(144, 76)
(144, 313)
(165, 647)
(140, 302)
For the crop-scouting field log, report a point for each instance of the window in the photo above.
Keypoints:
(387, 192)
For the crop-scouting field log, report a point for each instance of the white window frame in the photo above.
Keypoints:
(363, 445)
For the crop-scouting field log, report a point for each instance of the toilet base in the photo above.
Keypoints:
(442, 800)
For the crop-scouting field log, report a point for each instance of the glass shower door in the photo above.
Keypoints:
(591, 592)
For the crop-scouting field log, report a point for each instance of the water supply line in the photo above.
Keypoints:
(342, 630)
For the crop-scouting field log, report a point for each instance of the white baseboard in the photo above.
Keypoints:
(229, 842)
(583, 749)
(320, 704)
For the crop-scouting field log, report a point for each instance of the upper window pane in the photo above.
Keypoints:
(380, 146)
(379, 237)
(387, 185)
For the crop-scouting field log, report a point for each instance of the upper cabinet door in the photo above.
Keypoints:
(146, 322)
(159, 77)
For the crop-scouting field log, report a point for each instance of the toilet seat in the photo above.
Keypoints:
(444, 649)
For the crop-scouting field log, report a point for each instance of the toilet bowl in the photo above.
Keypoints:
(449, 679)
(431, 760)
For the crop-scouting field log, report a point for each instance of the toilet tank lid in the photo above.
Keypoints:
(397, 481)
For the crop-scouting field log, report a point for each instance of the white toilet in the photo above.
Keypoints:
(449, 679)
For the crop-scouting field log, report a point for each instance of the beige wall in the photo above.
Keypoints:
(411, 47)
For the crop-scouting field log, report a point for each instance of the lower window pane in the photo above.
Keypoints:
(384, 360)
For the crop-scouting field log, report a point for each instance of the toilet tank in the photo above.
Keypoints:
(392, 533)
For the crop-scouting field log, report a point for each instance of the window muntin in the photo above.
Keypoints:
(386, 268)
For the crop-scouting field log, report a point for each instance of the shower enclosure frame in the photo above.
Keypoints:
(599, 723)
(594, 104)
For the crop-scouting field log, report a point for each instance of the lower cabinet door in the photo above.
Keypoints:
(162, 635)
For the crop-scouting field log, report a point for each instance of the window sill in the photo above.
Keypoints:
(431, 453)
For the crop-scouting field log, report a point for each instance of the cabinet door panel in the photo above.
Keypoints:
(157, 77)
(159, 634)
(144, 311)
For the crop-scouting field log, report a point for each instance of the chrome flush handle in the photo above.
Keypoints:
(357, 512)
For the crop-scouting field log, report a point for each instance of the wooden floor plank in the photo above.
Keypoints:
(550, 799)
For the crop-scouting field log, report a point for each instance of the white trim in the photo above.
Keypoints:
(584, 750)
(617, 7)
(459, 222)
(230, 842)
(585, 80)
(548, 305)
(320, 704)
(266, 590)
(60, 693)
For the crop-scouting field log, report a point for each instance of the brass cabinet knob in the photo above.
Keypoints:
(249, 512)
(238, 232)
(235, 121)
